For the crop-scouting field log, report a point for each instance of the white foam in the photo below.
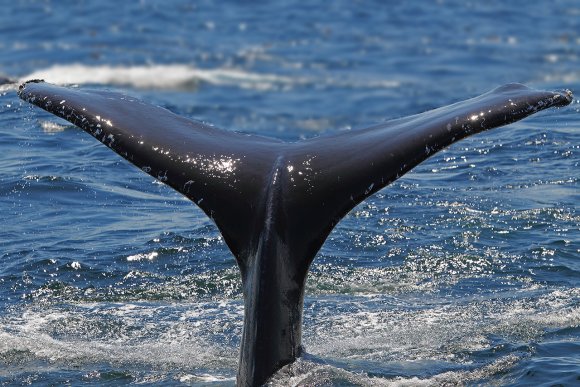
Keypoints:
(204, 378)
(8, 87)
(143, 256)
(76, 335)
(173, 76)
(181, 76)
(51, 127)
(305, 373)
(198, 336)
(438, 332)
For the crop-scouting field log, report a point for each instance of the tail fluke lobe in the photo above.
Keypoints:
(222, 172)
(275, 203)
(335, 173)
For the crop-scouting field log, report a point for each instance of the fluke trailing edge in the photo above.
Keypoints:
(276, 202)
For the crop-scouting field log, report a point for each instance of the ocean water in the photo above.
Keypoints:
(466, 271)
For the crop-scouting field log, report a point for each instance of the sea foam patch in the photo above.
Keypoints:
(183, 76)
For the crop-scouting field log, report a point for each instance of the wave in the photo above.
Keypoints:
(125, 335)
(306, 373)
(181, 76)
(174, 76)
(436, 344)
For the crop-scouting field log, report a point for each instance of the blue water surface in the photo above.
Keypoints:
(466, 271)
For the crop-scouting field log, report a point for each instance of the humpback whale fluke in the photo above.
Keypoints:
(276, 202)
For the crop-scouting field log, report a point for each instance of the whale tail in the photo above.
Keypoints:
(275, 202)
